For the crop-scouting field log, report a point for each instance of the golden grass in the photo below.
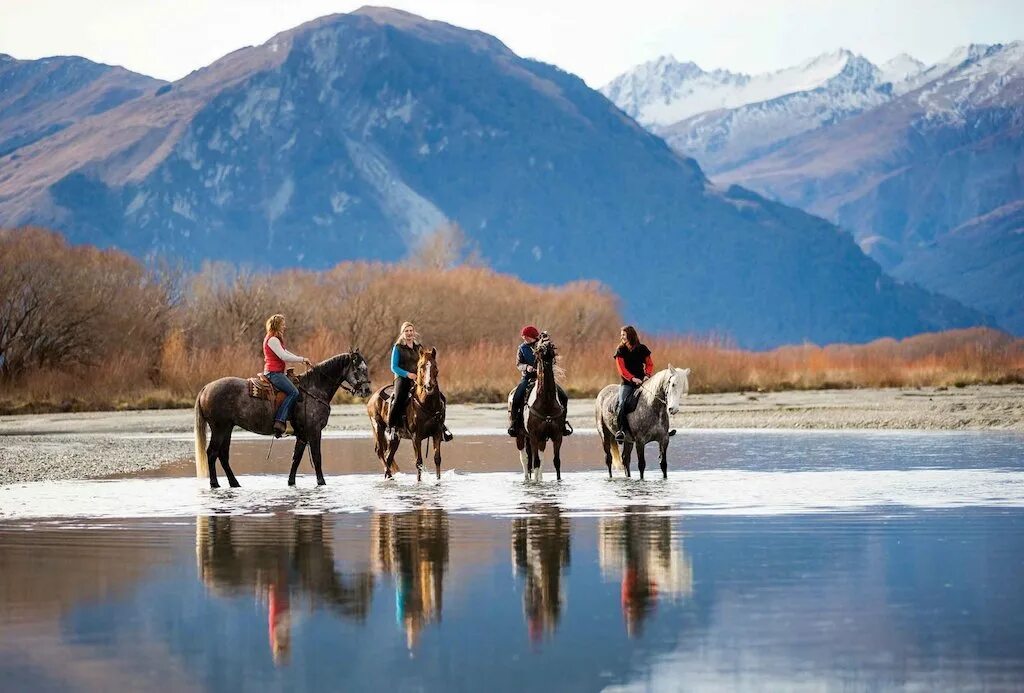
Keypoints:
(485, 372)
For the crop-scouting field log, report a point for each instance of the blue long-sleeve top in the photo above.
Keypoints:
(525, 358)
(395, 368)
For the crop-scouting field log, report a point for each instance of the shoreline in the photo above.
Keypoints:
(38, 447)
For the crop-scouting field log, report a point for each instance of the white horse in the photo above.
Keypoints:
(658, 397)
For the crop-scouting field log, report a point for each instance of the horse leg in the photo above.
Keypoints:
(536, 461)
(605, 443)
(314, 453)
(557, 443)
(390, 466)
(437, 453)
(224, 448)
(641, 462)
(300, 448)
(525, 458)
(627, 454)
(417, 444)
(664, 458)
(212, 453)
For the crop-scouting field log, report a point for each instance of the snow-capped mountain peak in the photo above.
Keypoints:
(665, 91)
(901, 68)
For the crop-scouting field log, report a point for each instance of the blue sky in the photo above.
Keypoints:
(168, 39)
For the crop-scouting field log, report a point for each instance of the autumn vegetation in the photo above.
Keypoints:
(86, 329)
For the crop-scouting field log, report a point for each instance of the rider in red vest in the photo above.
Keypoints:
(276, 359)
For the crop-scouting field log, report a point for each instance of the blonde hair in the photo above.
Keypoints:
(401, 333)
(274, 323)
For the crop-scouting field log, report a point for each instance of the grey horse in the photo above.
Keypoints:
(658, 397)
(225, 403)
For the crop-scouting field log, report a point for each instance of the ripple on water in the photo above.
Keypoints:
(722, 492)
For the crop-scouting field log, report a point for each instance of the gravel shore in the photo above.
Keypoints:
(77, 446)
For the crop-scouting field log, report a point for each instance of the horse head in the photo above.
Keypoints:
(426, 370)
(545, 349)
(357, 375)
(677, 386)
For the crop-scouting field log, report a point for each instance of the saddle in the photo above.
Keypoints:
(260, 387)
(388, 395)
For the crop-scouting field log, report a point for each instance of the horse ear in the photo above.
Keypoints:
(670, 367)
(433, 352)
(686, 371)
(422, 351)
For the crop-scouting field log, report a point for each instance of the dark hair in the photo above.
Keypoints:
(631, 339)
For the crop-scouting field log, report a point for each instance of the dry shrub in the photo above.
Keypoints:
(82, 328)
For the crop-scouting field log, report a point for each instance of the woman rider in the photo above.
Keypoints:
(635, 365)
(275, 360)
(405, 356)
(526, 362)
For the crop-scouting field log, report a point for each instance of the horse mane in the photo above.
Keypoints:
(556, 366)
(332, 366)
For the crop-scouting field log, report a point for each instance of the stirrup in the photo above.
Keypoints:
(447, 435)
(620, 436)
(671, 432)
(567, 429)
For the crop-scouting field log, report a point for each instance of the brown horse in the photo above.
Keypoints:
(424, 418)
(544, 416)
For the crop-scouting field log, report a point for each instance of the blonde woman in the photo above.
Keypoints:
(276, 359)
(405, 356)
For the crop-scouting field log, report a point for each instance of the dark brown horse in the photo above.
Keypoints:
(226, 403)
(544, 416)
(424, 418)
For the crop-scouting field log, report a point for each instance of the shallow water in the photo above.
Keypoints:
(765, 561)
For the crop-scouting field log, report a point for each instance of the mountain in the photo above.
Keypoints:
(931, 180)
(724, 138)
(353, 136)
(41, 97)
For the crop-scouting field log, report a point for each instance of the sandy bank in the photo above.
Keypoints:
(89, 445)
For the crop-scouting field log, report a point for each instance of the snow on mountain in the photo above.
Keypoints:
(818, 95)
(665, 91)
(900, 69)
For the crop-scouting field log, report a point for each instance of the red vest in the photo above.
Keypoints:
(272, 363)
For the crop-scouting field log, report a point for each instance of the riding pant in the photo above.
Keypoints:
(626, 391)
(282, 383)
(399, 399)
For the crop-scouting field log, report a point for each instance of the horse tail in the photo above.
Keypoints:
(613, 447)
(202, 463)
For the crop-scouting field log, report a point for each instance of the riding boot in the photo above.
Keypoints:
(515, 416)
(279, 428)
(620, 435)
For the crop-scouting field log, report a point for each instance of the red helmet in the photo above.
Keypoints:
(531, 332)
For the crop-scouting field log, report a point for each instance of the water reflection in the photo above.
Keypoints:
(645, 552)
(281, 559)
(412, 548)
(540, 552)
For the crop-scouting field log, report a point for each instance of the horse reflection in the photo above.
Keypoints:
(647, 554)
(412, 547)
(280, 558)
(540, 550)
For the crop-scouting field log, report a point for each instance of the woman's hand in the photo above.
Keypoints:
(307, 362)
(637, 381)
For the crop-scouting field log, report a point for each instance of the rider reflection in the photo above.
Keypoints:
(540, 550)
(280, 559)
(412, 547)
(645, 551)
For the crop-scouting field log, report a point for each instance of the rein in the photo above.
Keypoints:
(654, 393)
(342, 384)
